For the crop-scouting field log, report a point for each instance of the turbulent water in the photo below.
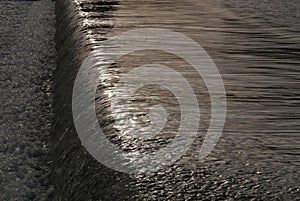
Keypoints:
(255, 46)
(27, 52)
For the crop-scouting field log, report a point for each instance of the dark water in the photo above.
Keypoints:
(27, 52)
(255, 46)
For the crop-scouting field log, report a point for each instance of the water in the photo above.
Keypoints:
(27, 51)
(256, 49)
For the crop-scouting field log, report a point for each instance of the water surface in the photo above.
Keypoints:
(257, 53)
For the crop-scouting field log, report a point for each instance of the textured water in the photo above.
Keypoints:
(256, 49)
(27, 52)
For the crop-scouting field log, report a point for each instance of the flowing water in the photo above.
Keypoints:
(255, 46)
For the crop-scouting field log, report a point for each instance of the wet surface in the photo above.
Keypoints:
(257, 156)
(26, 65)
(275, 12)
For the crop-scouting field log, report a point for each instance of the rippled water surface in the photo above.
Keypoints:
(256, 49)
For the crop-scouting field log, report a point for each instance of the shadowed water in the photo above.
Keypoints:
(257, 54)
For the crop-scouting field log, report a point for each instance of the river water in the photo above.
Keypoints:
(254, 44)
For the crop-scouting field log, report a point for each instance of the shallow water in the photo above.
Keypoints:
(257, 53)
